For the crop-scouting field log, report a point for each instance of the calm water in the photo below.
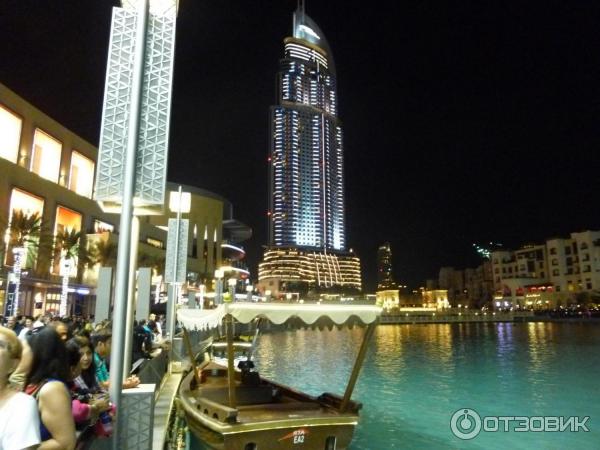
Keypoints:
(416, 376)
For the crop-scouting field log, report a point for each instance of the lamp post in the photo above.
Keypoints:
(65, 271)
(19, 259)
(219, 288)
(249, 290)
(179, 202)
(231, 283)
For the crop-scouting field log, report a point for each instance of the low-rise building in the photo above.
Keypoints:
(560, 272)
(48, 173)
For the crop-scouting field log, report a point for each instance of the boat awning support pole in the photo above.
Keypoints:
(188, 347)
(357, 366)
(230, 355)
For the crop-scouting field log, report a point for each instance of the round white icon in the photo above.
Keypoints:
(465, 424)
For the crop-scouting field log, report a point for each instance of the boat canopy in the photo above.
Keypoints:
(277, 313)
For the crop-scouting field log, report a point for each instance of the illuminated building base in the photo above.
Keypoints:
(304, 271)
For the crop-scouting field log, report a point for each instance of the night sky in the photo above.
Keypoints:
(464, 121)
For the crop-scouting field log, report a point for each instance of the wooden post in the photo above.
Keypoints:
(357, 366)
(230, 356)
(188, 346)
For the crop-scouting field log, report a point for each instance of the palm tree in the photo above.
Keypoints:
(24, 229)
(68, 245)
(24, 236)
(103, 253)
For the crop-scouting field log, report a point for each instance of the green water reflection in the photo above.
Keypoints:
(416, 376)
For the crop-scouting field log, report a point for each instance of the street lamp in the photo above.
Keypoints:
(249, 290)
(219, 288)
(232, 282)
(179, 202)
(20, 254)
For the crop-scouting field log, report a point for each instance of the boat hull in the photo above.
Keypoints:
(303, 438)
(298, 422)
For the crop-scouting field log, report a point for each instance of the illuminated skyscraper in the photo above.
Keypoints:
(307, 229)
(385, 279)
(307, 183)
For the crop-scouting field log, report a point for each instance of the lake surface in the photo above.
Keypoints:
(416, 376)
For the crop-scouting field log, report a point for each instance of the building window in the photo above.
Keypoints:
(27, 204)
(554, 262)
(583, 246)
(10, 134)
(585, 257)
(45, 158)
(567, 250)
(587, 268)
(553, 251)
(555, 272)
(102, 227)
(66, 220)
(52, 302)
(81, 175)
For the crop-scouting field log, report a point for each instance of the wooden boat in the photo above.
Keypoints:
(240, 410)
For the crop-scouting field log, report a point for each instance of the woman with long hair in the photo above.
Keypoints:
(47, 382)
(19, 419)
(87, 405)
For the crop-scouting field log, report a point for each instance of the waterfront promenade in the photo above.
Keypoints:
(455, 316)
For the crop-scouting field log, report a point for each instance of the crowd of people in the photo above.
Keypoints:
(54, 379)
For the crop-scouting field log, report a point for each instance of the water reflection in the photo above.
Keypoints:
(416, 376)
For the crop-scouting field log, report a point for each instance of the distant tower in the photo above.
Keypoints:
(385, 278)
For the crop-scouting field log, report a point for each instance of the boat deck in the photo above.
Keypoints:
(261, 401)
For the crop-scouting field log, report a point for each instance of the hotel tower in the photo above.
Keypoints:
(307, 236)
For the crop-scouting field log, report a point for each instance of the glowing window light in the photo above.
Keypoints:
(45, 159)
(10, 134)
(81, 175)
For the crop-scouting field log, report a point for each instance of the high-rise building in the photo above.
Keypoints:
(385, 278)
(306, 210)
(307, 191)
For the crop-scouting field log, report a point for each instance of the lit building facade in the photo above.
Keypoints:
(385, 277)
(306, 207)
(307, 184)
(48, 170)
(560, 272)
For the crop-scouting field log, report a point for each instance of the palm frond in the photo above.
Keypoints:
(104, 253)
(24, 229)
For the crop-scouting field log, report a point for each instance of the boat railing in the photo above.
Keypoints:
(216, 410)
